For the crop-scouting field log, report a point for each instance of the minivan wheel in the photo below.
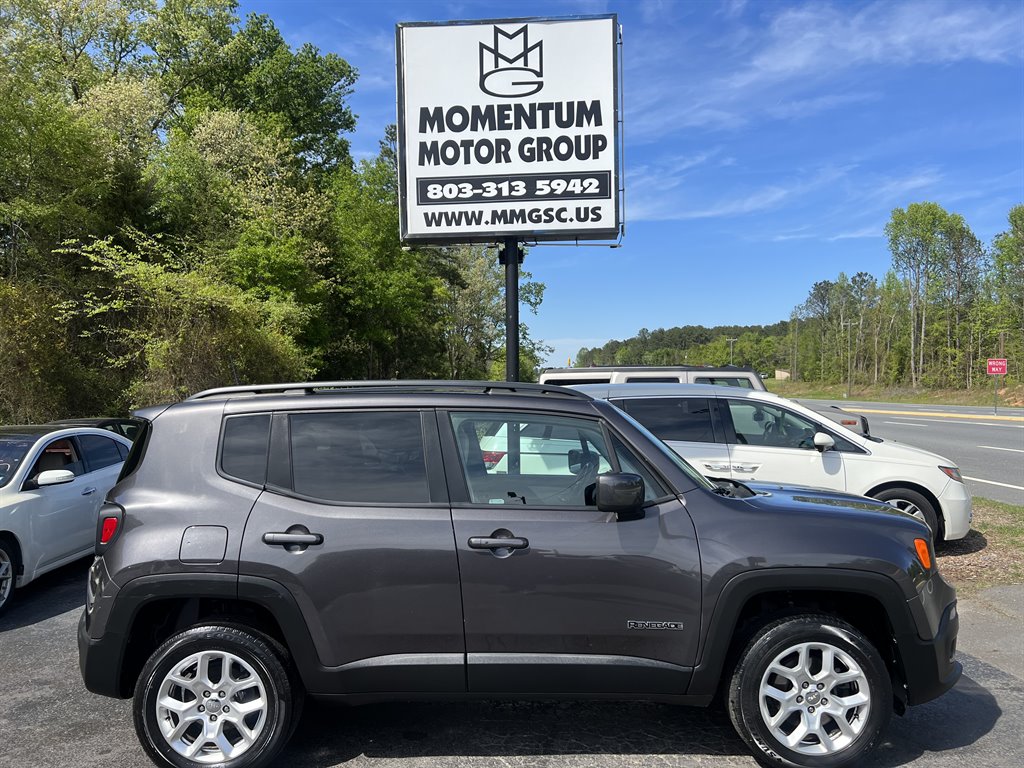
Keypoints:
(8, 573)
(214, 695)
(913, 503)
(810, 691)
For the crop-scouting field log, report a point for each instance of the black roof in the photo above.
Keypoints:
(28, 430)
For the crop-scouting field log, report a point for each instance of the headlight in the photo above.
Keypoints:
(952, 473)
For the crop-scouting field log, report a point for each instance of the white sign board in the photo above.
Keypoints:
(508, 128)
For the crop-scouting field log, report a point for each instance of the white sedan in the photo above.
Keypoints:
(748, 436)
(52, 483)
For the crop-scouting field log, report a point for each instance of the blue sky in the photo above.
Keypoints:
(766, 143)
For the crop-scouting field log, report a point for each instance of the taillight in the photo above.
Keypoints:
(492, 458)
(108, 526)
(108, 529)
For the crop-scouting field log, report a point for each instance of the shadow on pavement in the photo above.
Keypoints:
(50, 595)
(331, 735)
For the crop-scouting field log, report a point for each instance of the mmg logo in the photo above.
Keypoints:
(505, 69)
(678, 625)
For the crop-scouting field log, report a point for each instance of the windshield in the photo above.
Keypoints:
(12, 453)
(678, 460)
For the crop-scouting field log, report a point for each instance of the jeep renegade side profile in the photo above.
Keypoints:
(352, 541)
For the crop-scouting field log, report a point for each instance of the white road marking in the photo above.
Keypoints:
(975, 423)
(905, 424)
(997, 448)
(993, 482)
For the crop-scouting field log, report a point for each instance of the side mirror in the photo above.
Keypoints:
(621, 493)
(54, 477)
(823, 442)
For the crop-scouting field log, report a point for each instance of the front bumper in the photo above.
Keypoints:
(929, 666)
(955, 501)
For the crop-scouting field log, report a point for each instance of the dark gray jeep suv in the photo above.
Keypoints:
(405, 540)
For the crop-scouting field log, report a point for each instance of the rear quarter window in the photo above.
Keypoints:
(244, 447)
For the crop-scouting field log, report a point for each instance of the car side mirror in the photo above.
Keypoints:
(823, 442)
(54, 477)
(621, 493)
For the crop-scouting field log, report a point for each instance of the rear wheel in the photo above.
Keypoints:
(214, 695)
(810, 691)
(8, 573)
(913, 503)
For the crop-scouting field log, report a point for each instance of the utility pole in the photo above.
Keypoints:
(849, 357)
(730, 349)
(511, 256)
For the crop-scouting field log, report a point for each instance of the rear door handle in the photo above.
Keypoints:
(291, 539)
(88, 491)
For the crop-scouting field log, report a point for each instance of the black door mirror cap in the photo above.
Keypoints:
(621, 493)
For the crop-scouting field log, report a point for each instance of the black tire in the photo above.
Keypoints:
(903, 498)
(780, 642)
(8, 573)
(260, 677)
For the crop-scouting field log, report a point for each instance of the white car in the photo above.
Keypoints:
(52, 483)
(750, 436)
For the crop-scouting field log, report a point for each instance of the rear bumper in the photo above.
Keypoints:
(100, 661)
(929, 666)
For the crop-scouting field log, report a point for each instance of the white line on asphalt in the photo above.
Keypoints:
(905, 424)
(993, 482)
(997, 448)
(975, 423)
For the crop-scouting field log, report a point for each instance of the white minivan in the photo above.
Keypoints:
(750, 436)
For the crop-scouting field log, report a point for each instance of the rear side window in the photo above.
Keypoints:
(244, 447)
(725, 381)
(370, 457)
(653, 379)
(673, 418)
(99, 451)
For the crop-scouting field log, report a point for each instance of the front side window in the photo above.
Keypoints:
(60, 454)
(530, 459)
(673, 418)
(99, 451)
(761, 424)
(359, 457)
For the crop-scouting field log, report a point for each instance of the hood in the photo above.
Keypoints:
(798, 498)
(908, 453)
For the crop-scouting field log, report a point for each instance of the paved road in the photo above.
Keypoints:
(988, 449)
(48, 719)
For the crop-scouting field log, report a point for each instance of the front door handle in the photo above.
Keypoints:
(88, 491)
(746, 467)
(488, 542)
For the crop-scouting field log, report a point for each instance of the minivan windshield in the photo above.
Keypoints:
(12, 452)
(676, 459)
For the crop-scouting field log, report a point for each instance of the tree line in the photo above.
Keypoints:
(179, 209)
(946, 305)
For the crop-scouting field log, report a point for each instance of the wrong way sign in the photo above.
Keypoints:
(997, 366)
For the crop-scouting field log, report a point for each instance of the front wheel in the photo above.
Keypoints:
(913, 503)
(214, 695)
(8, 573)
(810, 691)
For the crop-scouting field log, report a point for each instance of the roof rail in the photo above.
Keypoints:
(397, 385)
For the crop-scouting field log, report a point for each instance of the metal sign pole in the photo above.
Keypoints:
(511, 258)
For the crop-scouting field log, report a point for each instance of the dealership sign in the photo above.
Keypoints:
(509, 128)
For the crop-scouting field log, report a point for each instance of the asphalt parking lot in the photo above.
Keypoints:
(49, 720)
